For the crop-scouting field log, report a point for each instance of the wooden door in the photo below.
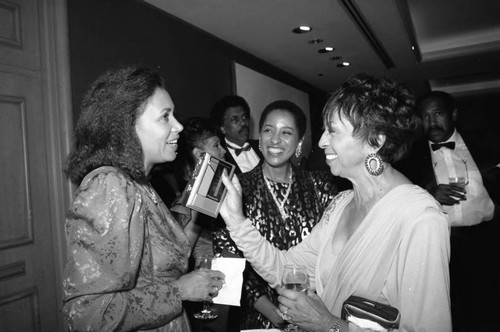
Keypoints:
(29, 254)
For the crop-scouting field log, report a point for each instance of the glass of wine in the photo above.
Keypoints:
(205, 262)
(295, 278)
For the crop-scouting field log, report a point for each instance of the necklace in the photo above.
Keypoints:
(151, 194)
(280, 205)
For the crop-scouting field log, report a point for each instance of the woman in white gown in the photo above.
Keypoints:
(386, 239)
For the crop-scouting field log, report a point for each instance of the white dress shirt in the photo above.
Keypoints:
(246, 160)
(478, 206)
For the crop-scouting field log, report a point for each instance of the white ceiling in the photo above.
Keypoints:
(457, 42)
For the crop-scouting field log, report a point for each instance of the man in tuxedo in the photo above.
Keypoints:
(231, 115)
(463, 177)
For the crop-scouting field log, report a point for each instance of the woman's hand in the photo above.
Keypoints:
(304, 310)
(200, 285)
(231, 208)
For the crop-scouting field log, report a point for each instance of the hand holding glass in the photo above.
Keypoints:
(205, 262)
(461, 177)
(295, 278)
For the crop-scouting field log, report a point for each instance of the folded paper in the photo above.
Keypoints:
(232, 268)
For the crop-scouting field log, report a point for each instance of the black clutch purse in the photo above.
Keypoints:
(361, 311)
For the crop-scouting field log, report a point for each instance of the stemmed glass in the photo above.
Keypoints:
(205, 262)
(295, 278)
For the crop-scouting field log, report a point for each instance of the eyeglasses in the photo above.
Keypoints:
(461, 175)
(238, 118)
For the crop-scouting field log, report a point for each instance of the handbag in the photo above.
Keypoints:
(370, 314)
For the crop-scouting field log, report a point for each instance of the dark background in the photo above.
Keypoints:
(198, 67)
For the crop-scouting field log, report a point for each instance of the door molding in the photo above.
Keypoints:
(56, 82)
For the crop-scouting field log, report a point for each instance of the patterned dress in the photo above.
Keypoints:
(124, 251)
(310, 194)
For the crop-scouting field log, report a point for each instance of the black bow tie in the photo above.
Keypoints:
(238, 151)
(437, 146)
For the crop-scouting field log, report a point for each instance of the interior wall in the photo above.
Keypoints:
(196, 66)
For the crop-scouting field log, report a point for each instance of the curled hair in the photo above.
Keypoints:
(375, 106)
(285, 105)
(447, 101)
(105, 132)
(196, 132)
(220, 107)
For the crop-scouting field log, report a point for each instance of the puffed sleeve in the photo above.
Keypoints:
(105, 231)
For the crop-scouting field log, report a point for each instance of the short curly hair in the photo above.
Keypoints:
(105, 132)
(220, 107)
(447, 101)
(376, 106)
(298, 115)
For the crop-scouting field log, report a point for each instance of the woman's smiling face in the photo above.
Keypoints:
(279, 137)
(158, 130)
(344, 152)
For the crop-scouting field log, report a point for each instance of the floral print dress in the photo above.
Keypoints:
(124, 251)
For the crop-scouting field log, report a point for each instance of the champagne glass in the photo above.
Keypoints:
(205, 262)
(295, 278)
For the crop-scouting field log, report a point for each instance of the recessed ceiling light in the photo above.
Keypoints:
(320, 74)
(326, 50)
(302, 29)
(337, 57)
(315, 41)
(343, 64)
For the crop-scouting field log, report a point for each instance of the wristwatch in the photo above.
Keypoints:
(336, 326)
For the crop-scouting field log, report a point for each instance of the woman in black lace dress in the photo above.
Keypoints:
(284, 203)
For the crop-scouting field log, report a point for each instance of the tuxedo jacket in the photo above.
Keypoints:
(417, 166)
(254, 143)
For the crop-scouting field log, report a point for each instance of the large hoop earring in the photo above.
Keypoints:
(378, 163)
(298, 150)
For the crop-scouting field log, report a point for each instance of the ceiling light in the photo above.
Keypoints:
(302, 29)
(343, 64)
(337, 57)
(315, 41)
(326, 50)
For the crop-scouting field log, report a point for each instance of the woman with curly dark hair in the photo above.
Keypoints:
(386, 240)
(127, 255)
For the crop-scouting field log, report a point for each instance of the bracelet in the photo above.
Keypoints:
(336, 326)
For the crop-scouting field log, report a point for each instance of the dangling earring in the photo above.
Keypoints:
(378, 163)
(298, 150)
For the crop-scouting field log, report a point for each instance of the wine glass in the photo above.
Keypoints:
(295, 278)
(205, 262)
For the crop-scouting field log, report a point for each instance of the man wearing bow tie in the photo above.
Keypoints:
(459, 174)
(449, 168)
(231, 114)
